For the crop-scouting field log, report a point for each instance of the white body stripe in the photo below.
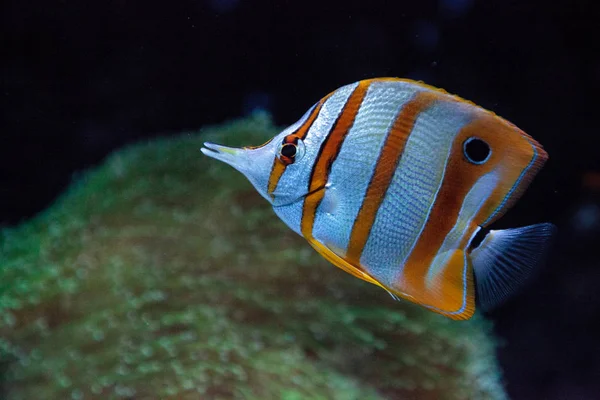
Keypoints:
(401, 217)
(265, 160)
(355, 164)
(479, 193)
(428, 194)
(298, 174)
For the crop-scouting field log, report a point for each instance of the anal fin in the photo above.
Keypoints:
(450, 291)
(341, 263)
(332, 255)
(506, 258)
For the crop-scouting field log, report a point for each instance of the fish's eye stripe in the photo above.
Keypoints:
(303, 130)
(299, 131)
(278, 167)
(386, 165)
(326, 155)
(277, 171)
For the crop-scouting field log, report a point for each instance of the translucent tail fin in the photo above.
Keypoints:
(506, 258)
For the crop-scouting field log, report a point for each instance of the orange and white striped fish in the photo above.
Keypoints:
(391, 179)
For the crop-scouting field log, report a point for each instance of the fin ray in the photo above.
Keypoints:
(506, 258)
(341, 263)
(330, 255)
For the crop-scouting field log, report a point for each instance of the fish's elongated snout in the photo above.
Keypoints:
(254, 163)
(229, 155)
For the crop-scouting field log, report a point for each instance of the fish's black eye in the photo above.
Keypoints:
(288, 150)
(291, 150)
(476, 150)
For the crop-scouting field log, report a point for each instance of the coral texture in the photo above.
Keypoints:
(162, 274)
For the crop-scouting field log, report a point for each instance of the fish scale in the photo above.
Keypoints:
(405, 207)
(390, 179)
(351, 174)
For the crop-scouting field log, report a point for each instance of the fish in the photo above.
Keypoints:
(392, 180)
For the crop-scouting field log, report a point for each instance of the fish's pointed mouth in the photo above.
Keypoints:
(229, 155)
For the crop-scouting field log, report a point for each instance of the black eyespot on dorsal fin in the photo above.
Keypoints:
(476, 150)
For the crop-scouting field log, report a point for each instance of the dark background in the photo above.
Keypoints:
(82, 78)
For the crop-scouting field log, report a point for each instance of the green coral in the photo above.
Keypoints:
(162, 274)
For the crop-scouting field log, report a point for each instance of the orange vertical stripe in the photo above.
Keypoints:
(384, 171)
(511, 153)
(327, 154)
(276, 174)
(279, 167)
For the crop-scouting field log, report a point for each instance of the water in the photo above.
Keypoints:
(148, 271)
